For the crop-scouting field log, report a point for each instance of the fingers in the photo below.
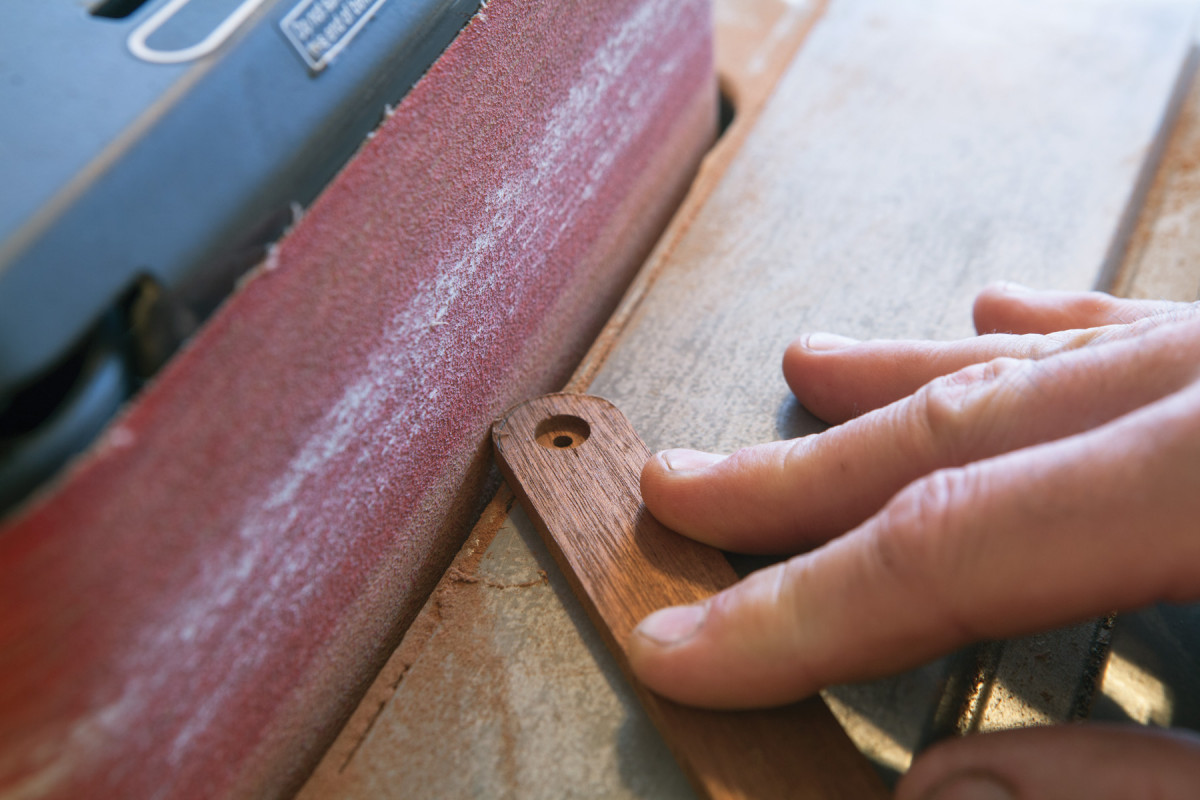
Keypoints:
(1025, 541)
(787, 496)
(1012, 308)
(838, 379)
(1105, 762)
(843, 382)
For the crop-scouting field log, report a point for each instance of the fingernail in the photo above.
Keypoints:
(672, 625)
(971, 786)
(1016, 288)
(685, 460)
(827, 341)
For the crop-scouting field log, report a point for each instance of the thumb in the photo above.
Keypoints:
(1104, 762)
(737, 649)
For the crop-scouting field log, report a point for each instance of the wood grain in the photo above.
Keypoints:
(574, 463)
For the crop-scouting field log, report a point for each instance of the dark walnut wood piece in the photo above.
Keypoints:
(574, 462)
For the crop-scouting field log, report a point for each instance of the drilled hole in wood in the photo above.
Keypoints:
(562, 432)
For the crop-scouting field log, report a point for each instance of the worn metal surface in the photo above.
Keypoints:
(502, 689)
(913, 152)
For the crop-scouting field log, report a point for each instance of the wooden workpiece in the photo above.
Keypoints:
(575, 463)
(911, 152)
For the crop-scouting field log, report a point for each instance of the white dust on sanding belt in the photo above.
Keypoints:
(362, 437)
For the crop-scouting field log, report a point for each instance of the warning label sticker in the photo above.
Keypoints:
(320, 29)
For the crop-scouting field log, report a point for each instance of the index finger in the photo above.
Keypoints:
(1025, 541)
(785, 496)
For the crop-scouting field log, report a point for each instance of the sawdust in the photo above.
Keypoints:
(456, 575)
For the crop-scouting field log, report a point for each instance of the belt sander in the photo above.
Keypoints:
(363, 228)
(149, 163)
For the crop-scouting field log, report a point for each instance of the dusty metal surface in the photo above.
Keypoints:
(503, 689)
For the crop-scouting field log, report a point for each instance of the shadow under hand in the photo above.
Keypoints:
(793, 420)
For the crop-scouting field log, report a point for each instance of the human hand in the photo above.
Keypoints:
(977, 489)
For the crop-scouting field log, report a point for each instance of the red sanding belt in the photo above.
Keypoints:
(195, 608)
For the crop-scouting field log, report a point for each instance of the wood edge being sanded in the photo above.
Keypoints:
(574, 463)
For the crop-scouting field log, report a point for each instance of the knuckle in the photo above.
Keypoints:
(1041, 346)
(763, 605)
(1132, 324)
(903, 547)
(954, 412)
(918, 546)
